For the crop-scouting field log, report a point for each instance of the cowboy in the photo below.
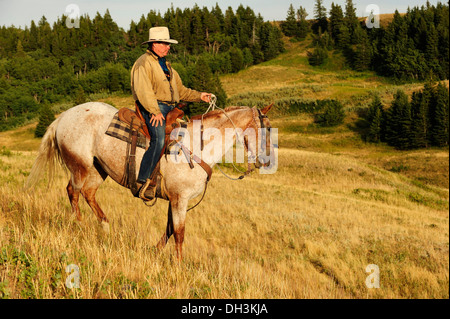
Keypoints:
(157, 88)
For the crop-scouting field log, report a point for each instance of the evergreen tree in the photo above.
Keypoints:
(405, 134)
(318, 56)
(301, 14)
(439, 116)
(246, 19)
(343, 37)
(248, 57)
(420, 103)
(202, 79)
(351, 19)
(375, 120)
(218, 14)
(237, 59)
(80, 97)
(414, 46)
(418, 124)
(44, 34)
(170, 18)
(295, 25)
(114, 80)
(20, 53)
(336, 22)
(45, 64)
(197, 43)
(132, 34)
(302, 24)
(399, 121)
(46, 117)
(363, 51)
(443, 39)
(34, 36)
(270, 40)
(289, 26)
(212, 29)
(375, 126)
(231, 25)
(320, 15)
(322, 40)
(432, 51)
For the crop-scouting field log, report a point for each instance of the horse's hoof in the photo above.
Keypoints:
(105, 227)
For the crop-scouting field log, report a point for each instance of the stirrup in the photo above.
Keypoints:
(147, 191)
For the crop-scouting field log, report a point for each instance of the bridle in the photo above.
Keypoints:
(255, 113)
(257, 116)
(264, 130)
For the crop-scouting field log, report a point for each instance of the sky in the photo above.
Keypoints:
(20, 12)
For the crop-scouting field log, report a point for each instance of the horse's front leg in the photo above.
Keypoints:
(178, 230)
(169, 231)
(175, 225)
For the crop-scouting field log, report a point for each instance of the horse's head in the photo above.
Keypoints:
(250, 126)
(260, 147)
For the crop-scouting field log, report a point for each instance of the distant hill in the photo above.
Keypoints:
(385, 18)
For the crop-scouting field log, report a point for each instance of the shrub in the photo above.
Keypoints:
(318, 56)
(333, 113)
(46, 117)
(80, 97)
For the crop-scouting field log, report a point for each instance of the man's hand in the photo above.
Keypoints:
(205, 97)
(157, 119)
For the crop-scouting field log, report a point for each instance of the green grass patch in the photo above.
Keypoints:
(428, 201)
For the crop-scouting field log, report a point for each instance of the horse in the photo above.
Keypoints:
(78, 141)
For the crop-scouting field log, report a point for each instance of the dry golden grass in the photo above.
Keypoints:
(334, 206)
(308, 231)
(423, 166)
(21, 139)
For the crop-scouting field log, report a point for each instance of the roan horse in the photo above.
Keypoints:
(78, 141)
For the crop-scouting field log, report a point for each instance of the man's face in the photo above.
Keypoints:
(161, 48)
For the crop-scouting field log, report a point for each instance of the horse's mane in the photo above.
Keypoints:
(218, 112)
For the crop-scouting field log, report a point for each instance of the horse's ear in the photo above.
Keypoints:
(266, 109)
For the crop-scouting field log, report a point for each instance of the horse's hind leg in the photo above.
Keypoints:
(74, 195)
(93, 181)
(79, 171)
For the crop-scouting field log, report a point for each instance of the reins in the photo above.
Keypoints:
(212, 107)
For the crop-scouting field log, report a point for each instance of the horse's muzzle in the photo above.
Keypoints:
(262, 162)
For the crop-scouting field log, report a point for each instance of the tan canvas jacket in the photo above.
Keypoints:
(149, 84)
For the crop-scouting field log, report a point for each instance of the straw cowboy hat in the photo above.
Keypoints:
(159, 34)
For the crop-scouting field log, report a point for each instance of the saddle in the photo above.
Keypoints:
(137, 124)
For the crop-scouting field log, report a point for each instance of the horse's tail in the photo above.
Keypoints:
(48, 155)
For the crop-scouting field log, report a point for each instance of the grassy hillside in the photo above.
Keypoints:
(308, 231)
(290, 76)
(334, 206)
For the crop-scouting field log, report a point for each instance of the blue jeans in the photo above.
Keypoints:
(157, 135)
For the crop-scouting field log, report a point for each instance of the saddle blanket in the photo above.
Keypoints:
(121, 130)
